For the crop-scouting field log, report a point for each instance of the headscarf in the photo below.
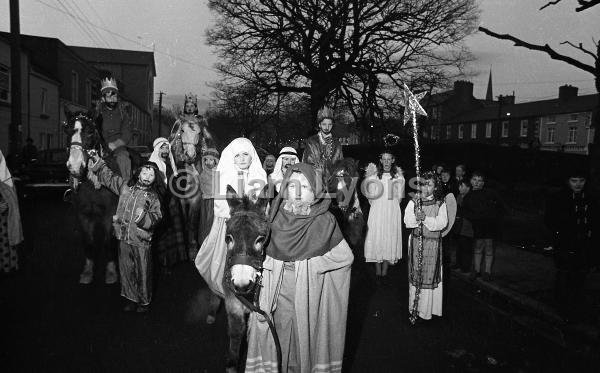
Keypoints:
(228, 173)
(160, 162)
(277, 175)
(7, 190)
(5, 176)
(298, 237)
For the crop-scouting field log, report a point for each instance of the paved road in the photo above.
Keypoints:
(52, 323)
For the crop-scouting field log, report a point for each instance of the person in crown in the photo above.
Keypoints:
(323, 150)
(116, 125)
(196, 124)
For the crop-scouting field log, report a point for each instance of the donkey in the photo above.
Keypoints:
(247, 231)
(94, 205)
(189, 139)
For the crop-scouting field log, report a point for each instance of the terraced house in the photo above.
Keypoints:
(560, 124)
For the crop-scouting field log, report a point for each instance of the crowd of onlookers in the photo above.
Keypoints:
(571, 215)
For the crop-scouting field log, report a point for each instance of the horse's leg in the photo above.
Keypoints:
(110, 244)
(87, 231)
(236, 328)
(193, 225)
(214, 302)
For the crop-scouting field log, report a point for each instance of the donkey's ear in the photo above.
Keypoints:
(233, 200)
(266, 194)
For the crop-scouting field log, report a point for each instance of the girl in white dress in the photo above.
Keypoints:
(385, 190)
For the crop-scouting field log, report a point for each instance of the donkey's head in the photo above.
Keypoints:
(247, 232)
(83, 136)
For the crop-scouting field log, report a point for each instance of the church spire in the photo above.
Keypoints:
(489, 96)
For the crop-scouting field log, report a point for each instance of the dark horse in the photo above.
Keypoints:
(94, 205)
(346, 206)
(247, 231)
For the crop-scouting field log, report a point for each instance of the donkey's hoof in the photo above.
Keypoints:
(210, 319)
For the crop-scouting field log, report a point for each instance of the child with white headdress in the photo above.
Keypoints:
(169, 244)
(287, 157)
(161, 154)
(240, 168)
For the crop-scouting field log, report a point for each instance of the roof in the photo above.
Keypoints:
(530, 109)
(31, 44)
(120, 56)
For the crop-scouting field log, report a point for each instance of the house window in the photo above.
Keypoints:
(551, 119)
(461, 131)
(573, 118)
(74, 86)
(488, 130)
(44, 106)
(505, 129)
(550, 131)
(572, 134)
(448, 132)
(474, 130)
(434, 112)
(524, 128)
(4, 83)
(88, 93)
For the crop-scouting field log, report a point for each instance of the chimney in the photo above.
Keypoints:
(507, 100)
(567, 92)
(463, 90)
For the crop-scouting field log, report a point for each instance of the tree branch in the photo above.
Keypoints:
(542, 48)
(583, 4)
(581, 48)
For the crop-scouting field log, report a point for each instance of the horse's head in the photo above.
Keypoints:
(343, 182)
(82, 137)
(247, 232)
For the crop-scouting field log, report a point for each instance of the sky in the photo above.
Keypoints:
(175, 30)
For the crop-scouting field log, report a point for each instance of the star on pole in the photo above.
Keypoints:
(410, 101)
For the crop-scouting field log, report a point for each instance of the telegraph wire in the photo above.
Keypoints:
(94, 30)
(77, 23)
(172, 56)
(102, 21)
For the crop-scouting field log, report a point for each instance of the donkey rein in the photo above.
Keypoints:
(257, 309)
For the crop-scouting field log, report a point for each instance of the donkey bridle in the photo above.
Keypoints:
(249, 297)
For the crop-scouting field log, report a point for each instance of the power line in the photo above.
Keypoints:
(77, 23)
(102, 21)
(132, 40)
(94, 30)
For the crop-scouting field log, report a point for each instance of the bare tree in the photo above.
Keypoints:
(592, 68)
(357, 51)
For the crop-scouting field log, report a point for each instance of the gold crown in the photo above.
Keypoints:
(324, 113)
(107, 83)
(191, 97)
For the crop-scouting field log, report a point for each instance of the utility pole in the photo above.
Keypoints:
(15, 73)
(160, 96)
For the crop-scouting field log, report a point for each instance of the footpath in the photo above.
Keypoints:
(523, 286)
